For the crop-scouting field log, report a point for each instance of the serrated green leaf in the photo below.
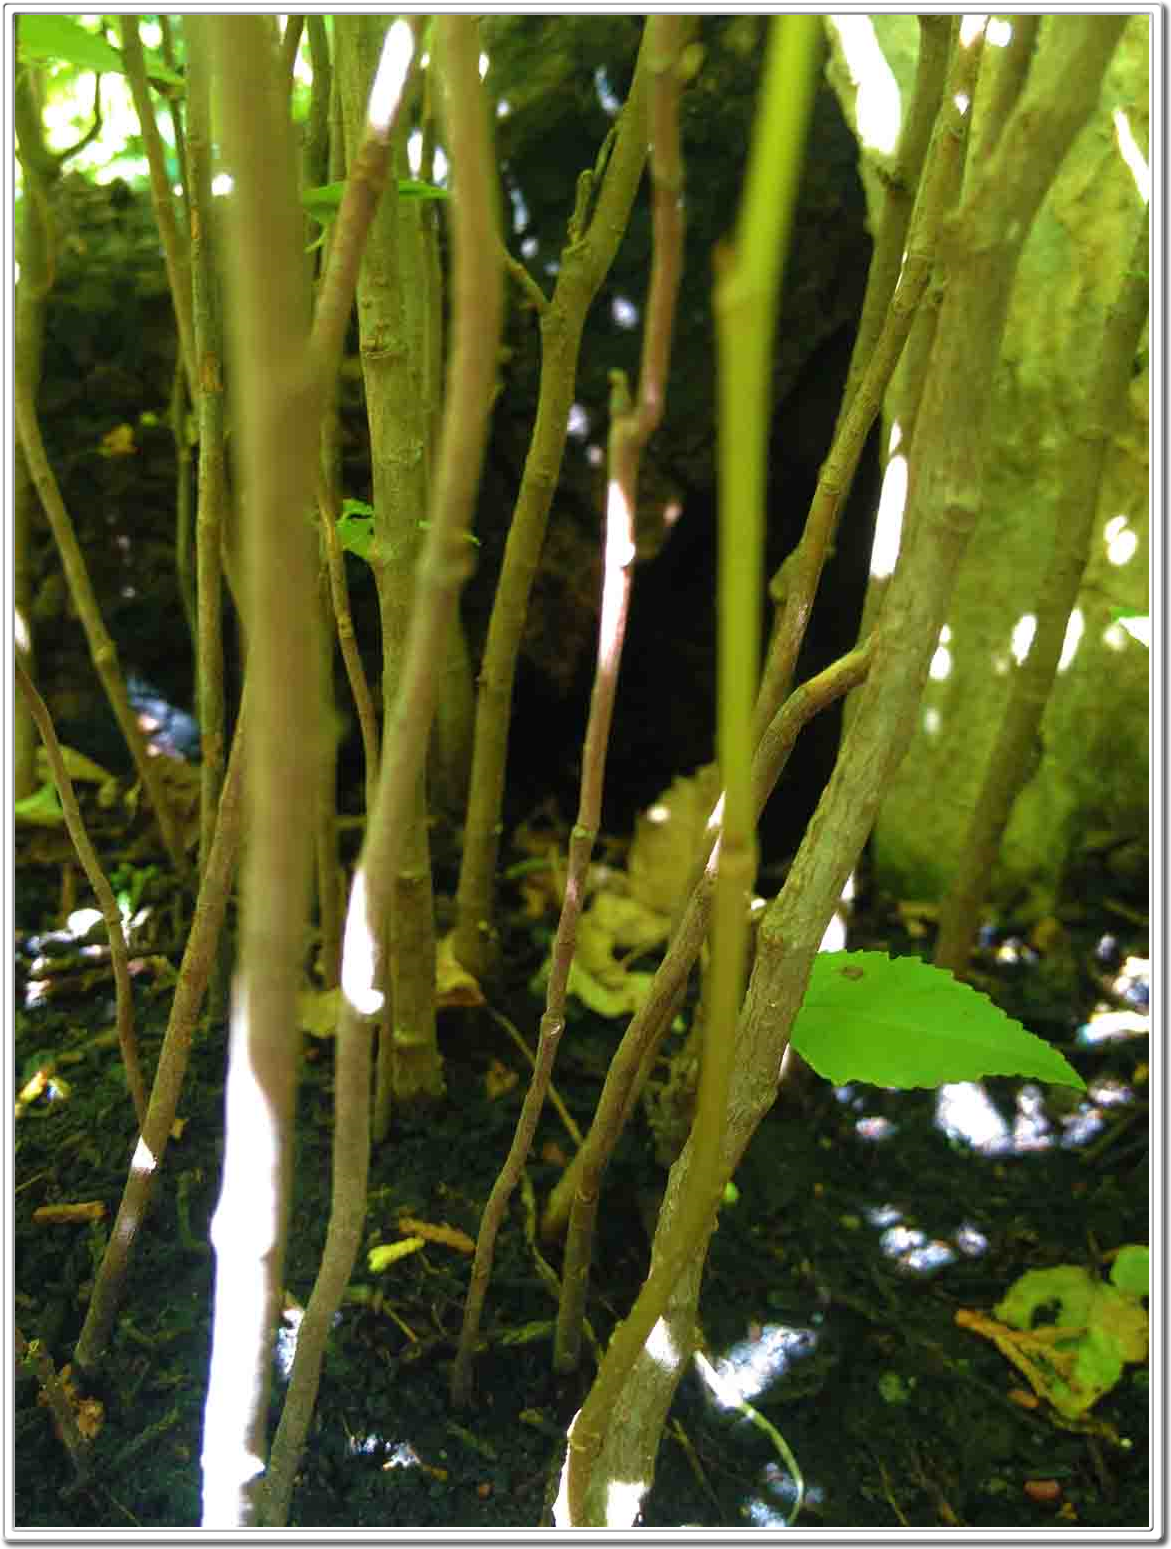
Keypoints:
(900, 1022)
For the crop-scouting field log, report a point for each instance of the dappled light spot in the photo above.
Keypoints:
(940, 664)
(1032, 1130)
(878, 108)
(970, 1241)
(965, 1112)
(888, 524)
(610, 103)
(1013, 950)
(1133, 981)
(398, 50)
(1022, 636)
(834, 939)
(1120, 539)
(660, 1346)
(913, 1251)
(287, 1334)
(774, 1505)
(624, 312)
(998, 33)
(358, 963)
(1107, 1024)
(520, 214)
(755, 1363)
(82, 921)
(222, 185)
(1111, 1093)
(578, 423)
(144, 1159)
(1074, 631)
(875, 1128)
(1131, 154)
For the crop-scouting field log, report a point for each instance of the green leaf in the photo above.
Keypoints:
(1131, 1270)
(1107, 1329)
(52, 37)
(324, 201)
(42, 808)
(355, 528)
(414, 188)
(899, 1022)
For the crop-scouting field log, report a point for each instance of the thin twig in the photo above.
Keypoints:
(563, 1112)
(37, 1357)
(87, 855)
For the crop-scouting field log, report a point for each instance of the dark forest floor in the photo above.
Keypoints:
(860, 1228)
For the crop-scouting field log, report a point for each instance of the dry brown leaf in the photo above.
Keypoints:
(498, 1079)
(445, 1236)
(56, 1215)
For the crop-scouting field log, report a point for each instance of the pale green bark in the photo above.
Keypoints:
(394, 302)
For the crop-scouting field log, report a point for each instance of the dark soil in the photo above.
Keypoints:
(859, 1230)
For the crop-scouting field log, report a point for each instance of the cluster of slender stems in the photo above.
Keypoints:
(960, 201)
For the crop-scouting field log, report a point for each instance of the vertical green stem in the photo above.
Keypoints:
(584, 264)
(278, 407)
(746, 304)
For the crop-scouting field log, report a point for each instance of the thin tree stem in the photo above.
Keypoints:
(87, 855)
(584, 264)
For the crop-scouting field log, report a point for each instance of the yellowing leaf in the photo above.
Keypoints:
(385, 1254)
(317, 1012)
(79, 768)
(615, 925)
(454, 985)
(119, 442)
(622, 999)
(1076, 1359)
(667, 837)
